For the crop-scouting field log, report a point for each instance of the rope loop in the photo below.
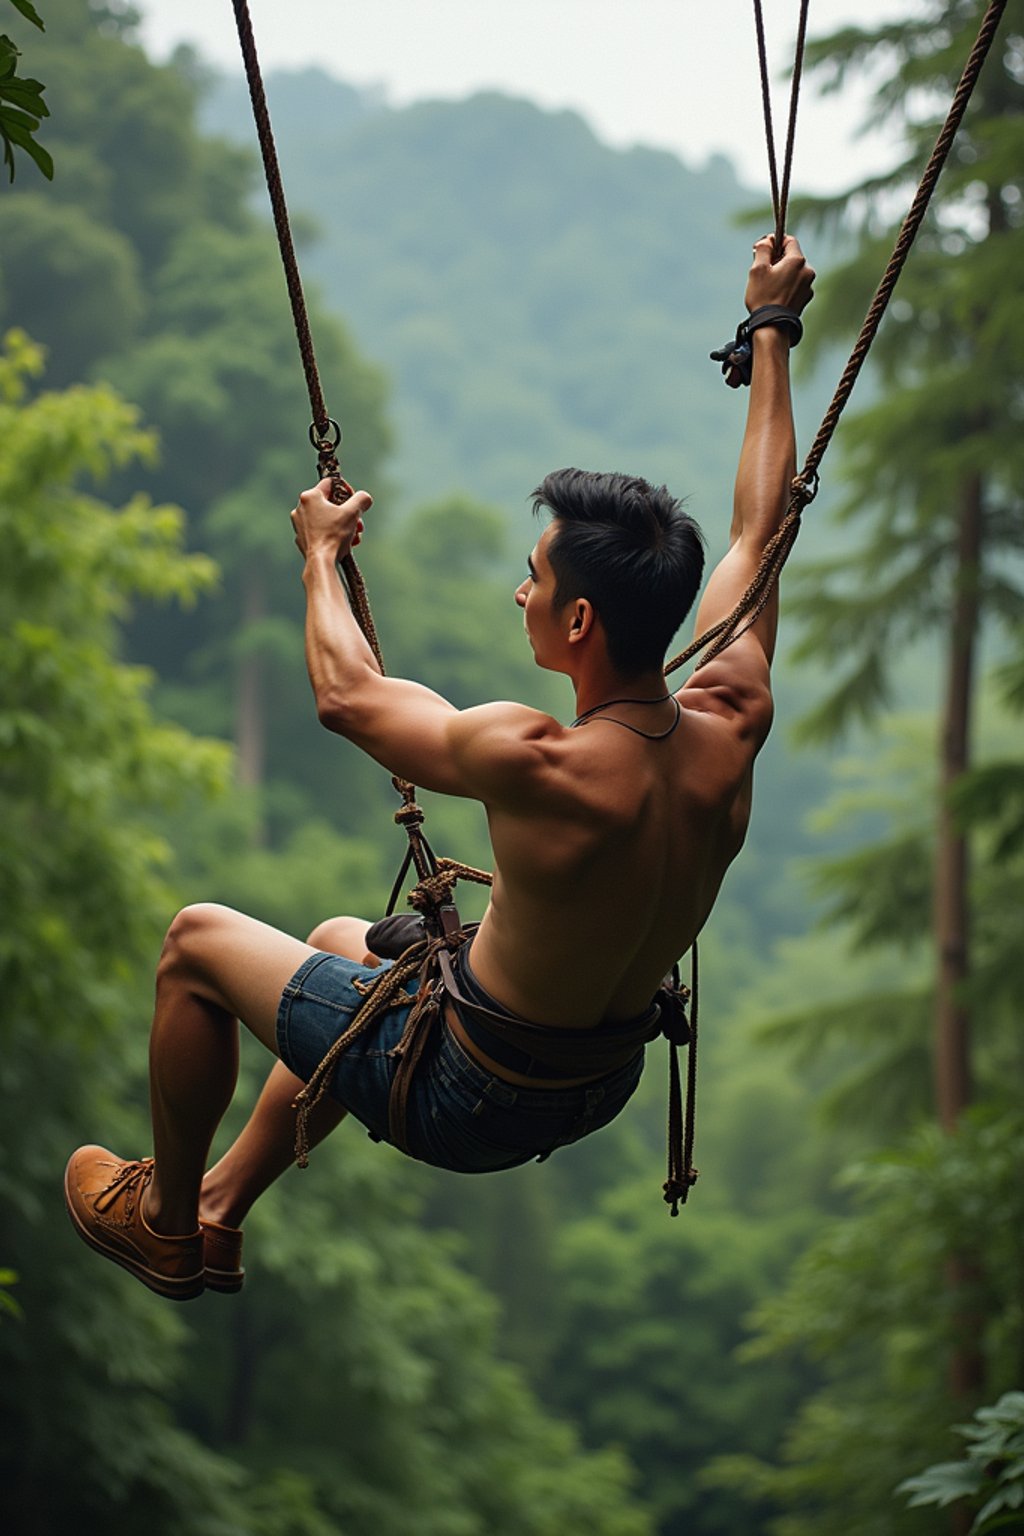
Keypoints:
(410, 815)
(432, 892)
(804, 487)
(318, 436)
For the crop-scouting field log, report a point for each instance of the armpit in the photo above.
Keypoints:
(746, 704)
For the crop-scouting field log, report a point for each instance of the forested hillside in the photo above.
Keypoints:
(538, 298)
(495, 292)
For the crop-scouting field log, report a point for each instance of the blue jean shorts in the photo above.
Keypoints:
(460, 1116)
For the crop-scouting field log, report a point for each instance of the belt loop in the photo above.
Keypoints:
(504, 1093)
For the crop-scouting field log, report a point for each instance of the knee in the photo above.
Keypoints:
(340, 935)
(187, 940)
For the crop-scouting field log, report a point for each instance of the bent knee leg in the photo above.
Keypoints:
(343, 936)
(190, 939)
(233, 961)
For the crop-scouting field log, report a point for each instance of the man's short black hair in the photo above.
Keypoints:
(629, 549)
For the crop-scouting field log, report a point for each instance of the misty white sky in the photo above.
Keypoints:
(676, 74)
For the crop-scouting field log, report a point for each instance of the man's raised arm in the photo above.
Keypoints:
(766, 467)
(408, 728)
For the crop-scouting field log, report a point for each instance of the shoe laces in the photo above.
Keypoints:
(129, 1181)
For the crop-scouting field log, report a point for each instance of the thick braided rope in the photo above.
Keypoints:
(805, 484)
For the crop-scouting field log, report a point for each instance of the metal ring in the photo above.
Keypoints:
(317, 438)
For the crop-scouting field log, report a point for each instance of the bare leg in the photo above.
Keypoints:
(217, 966)
(266, 1146)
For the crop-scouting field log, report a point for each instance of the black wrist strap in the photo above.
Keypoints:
(776, 314)
(737, 356)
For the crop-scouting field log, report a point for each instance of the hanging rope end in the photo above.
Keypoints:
(303, 1104)
(677, 1189)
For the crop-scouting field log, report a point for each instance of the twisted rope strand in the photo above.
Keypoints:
(326, 459)
(275, 188)
(782, 209)
(780, 197)
(766, 103)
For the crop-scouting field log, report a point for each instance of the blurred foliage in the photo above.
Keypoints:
(928, 1264)
(990, 1474)
(948, 357)
(117, 1407)
(200, 337)
(85, 764)
(865, 1304)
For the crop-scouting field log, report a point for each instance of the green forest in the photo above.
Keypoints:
(830, 1338)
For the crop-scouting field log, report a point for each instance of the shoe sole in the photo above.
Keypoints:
(226, 1280)
(177, 1289)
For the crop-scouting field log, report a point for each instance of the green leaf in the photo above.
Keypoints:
(25, 93)
(16, 133)
(8, 57)
(12, 117)
(941, 1484)
(29, 12)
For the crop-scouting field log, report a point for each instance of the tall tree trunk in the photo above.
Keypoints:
(953, 1088)
(952, 909)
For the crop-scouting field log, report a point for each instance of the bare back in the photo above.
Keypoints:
(606, 875)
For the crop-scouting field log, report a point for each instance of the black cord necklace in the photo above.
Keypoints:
(647, 735)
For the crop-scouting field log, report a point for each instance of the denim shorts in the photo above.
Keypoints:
(460, 1116)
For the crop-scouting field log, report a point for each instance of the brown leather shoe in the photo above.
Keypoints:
(222, 1256)
(103, 1194)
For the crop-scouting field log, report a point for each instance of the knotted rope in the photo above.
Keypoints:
(804, 486)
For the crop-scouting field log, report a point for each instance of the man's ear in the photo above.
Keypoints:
(582, 621)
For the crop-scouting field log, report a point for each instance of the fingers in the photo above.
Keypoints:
(362, 501)
(320, 522)
(786, 279)
(764, 249)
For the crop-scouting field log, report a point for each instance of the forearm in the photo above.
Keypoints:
(338, 657)
(768, 455)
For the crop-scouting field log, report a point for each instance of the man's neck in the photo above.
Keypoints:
(604, 685)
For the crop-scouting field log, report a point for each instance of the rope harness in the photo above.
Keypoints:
(429, 958)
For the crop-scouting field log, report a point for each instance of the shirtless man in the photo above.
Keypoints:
(611, 839)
